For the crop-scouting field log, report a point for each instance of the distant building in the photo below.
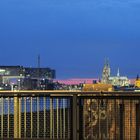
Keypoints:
(137, 82)
(9, 74)
(114, 80)
(119, 80)
(11, 71)
(106, 73)
(39, 78)
(76, 81)
(45, 73)
(19, 77)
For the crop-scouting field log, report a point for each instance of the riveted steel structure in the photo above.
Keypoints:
(70, 115)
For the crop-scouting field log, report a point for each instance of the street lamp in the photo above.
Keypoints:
(19, 84)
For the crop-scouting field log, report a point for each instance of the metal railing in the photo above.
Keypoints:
(69, 115)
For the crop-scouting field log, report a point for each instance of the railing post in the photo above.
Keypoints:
(38, 117)
(2, 111)
(16, 117)
(31, 116)
(75, 117)
(19, 117)
(51, 118)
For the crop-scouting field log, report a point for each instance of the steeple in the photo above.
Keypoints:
(106, 64)
(118, 73)
(106, 72)
(137, 78)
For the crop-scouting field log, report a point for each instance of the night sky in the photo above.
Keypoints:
(72, 36)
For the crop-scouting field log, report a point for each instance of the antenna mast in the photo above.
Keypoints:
(38, 76)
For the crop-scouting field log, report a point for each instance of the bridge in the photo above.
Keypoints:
(66, 115)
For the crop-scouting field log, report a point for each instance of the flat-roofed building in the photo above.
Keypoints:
(46, 73)
(18, 76)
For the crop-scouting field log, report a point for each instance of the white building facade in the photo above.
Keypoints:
(114, 80)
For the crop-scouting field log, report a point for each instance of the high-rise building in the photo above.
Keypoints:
(45, 73)
(11, 74)
(20, 77)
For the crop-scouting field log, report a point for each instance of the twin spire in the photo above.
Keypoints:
(108, 66)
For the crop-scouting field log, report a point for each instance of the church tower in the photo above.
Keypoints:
(118, 73)
(106, 72)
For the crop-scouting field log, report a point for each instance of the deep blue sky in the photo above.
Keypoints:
(72, 36)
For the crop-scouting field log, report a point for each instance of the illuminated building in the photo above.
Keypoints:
(8, 73)
(114, 80)
(137, 82)
(106, 73)
(19, 77)
(97, 87)
(119, 80)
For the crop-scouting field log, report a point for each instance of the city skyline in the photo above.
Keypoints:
(69, 69)
(114, 73)
(72, 37)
